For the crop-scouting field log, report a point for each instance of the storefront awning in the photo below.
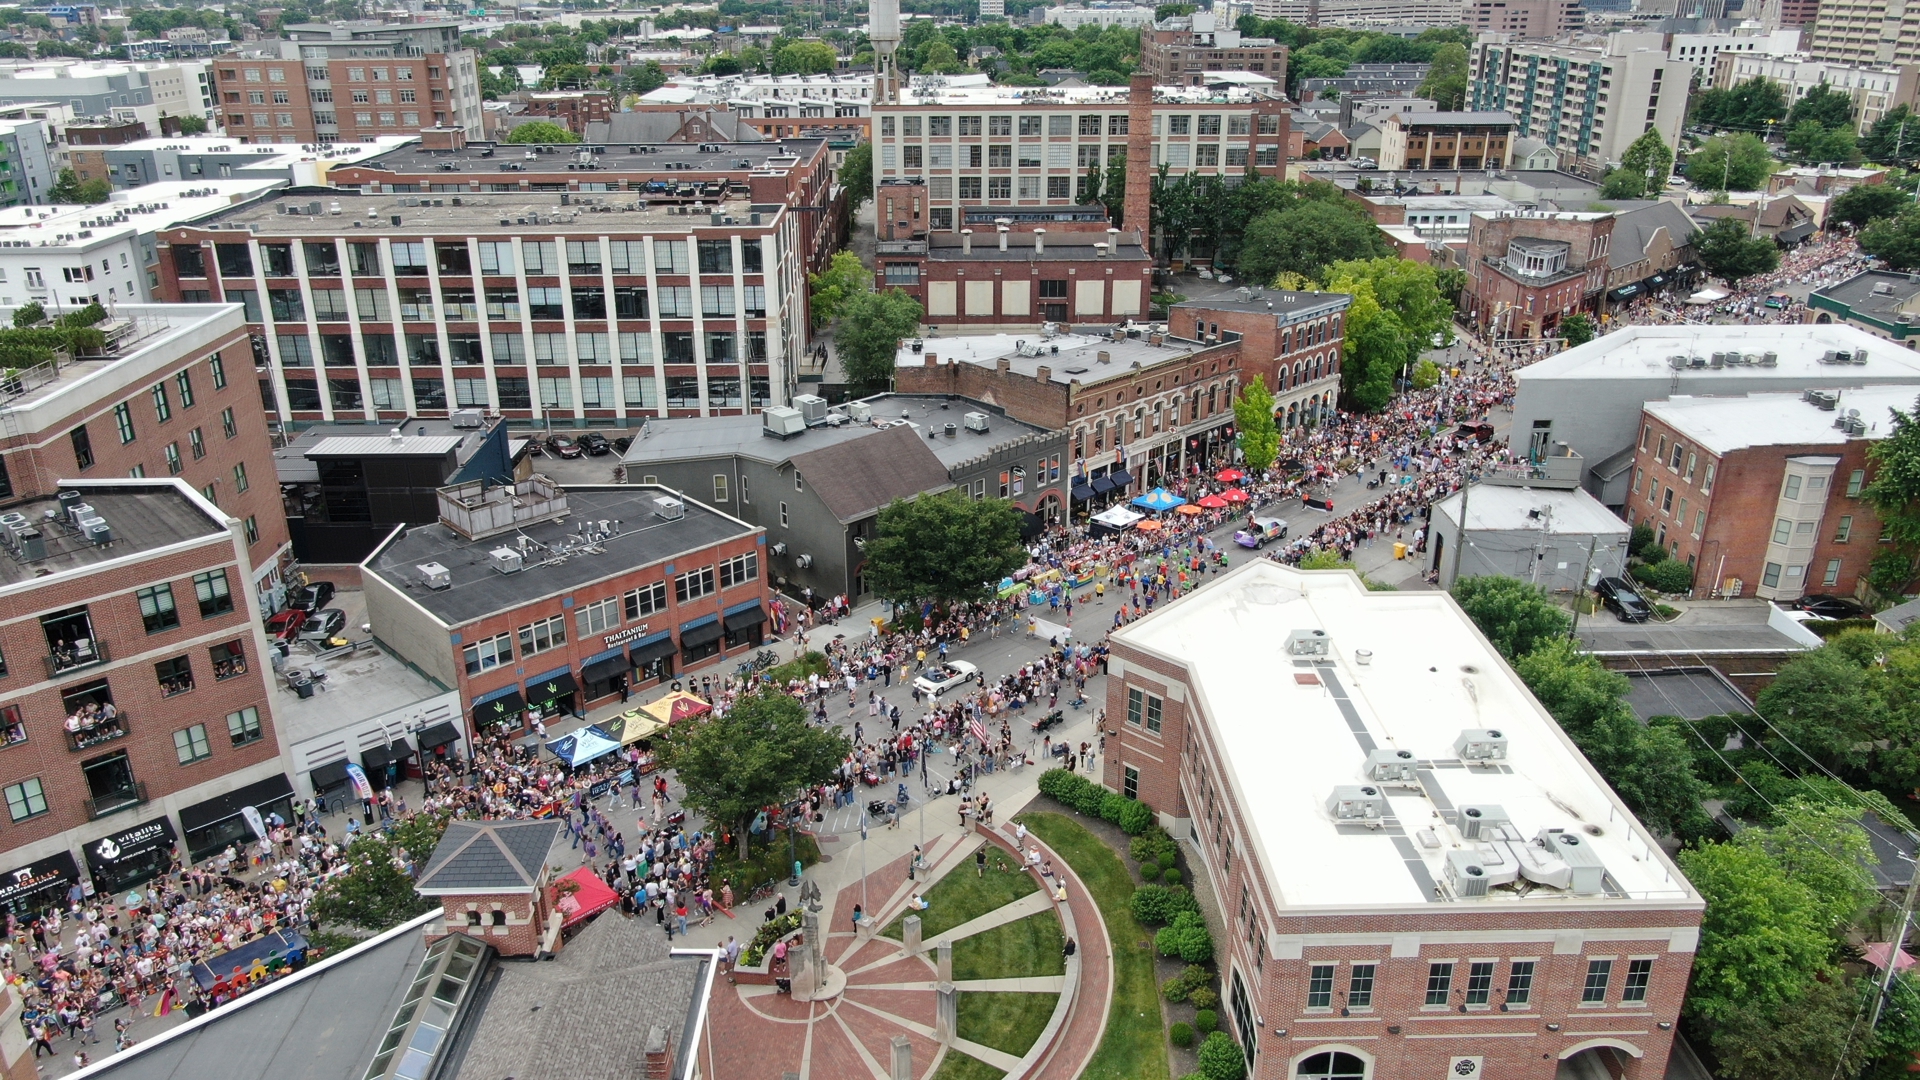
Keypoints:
(1624, 292)
(1121, 478)
(499, 705)
(1081, 492)
(604, 666)
(328, 775)
(744, 615)
(651, 648)
(40, 885)
(221, 807)
(550, 687)
(127, 846)
(700, 632)
(1102, 485)
(402, 749)
(437, 736)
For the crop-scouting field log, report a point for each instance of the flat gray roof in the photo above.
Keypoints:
(478, 590)
(368, 683)
(1857, 292)
(370, 217)
(745, 436)
(988, 250)
(1688, 692)
(293, 465)
(1286, 305)
(672, 160)
(143, 517)
(1078, 359)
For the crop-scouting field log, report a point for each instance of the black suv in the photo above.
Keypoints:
(595, 443)
(1621, 598)
(1831, 607)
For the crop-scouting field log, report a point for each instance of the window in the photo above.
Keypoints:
(156, 608)
(1832, 575)
(489, 654)
(184, 381)
(1791, 490)
(598, 616)
(1782, 530)
(1673, 460)
(240, 476)
(1855, 482)
(175, 676)
(646, 600)
(739, 570)
(243, 727)
(1770, 576)
(1845, 530)
(1360, 987)
(1520, 982)
(693, 585)
(1320, 986)
(1479, 982)
(227, 426)
(26, 799)
(211, 588)
(1439, 982)
(123, 419)
(190, 744)
(1639, 973)
(783, 514)
(82, 447)
(1595, 992)
(172, 453)
(543, 634)
(1143, 708)
(1130, 784)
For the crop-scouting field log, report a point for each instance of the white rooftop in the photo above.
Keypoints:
(1290, 730)
(1643, 352)
(1506, 508)
(969, 94)
(1723, 424)
(136, 211)
(983, 348)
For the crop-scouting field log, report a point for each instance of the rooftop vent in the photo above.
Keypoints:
(435, 576)
(1309, 643)
(1481, 744)
(1357, 803)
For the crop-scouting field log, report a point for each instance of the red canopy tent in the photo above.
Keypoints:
(591, 898)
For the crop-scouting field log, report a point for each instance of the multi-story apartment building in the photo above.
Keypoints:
(1420, 874)
(1293, 340)
(779, 106)
(992, 146)
(1361, 12)
(1588, 102)
(143, 91)
(1762, 493)
(350, 82)
(136, 710)
(1445, 140)
(1785, 13)
(1875, 89)
(571, 109)
(1866, 31)
(544, 306)
(1524, 18)
(26, 162)
(1099, 13)
(1182, 50)
(1528, 269)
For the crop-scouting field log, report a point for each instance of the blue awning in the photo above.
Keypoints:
(1102, 485)
(1081, 492)
(1121, 478)
(587, 744)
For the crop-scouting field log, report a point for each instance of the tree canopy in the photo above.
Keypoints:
(1396, 308)
(377, 894)
(1258, 436)
(1729, 250)
(1894, 139)
(1516, 617)
(1306, 238)
(1863, 204)
(761, 754)
(1746, 107)
(1576, 329)
(541, 133)
(1446, 81)
(804, 58)
(69, 188)
(1737, 162)
(872, 325)
(1822, 105)
(1643, 170)
(945, 548)
(1894, 239)
(856, 174)
(838, 283)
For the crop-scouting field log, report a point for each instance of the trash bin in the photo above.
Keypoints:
(1399, 550)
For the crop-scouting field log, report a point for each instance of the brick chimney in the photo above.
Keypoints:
(659, 1055)
(929, 360)
(1136, 210)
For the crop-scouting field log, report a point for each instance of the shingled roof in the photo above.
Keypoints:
(488, 856)
(857, 477)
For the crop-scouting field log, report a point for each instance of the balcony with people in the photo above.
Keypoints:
(71, 642)
(92, 718)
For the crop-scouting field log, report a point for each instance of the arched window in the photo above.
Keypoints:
(1333, 1065)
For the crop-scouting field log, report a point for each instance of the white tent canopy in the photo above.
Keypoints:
(1118, 517)
(1707, 296)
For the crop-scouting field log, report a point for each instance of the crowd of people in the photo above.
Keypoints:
(1813, 266)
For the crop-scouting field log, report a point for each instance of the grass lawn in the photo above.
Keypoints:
(1005, 1021)
(1015, 950)
(958, 1066)
(963, 896)
(764, 860)
(1134, 1046)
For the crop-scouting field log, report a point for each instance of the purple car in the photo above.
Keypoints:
(1260, 532)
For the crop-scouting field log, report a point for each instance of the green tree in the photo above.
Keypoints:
(805, 58)
(1894, 139)
(1824, 704)
(1306, 239)
(1761, 941)
(649, 77)
(721, 64)
(1259, 436)
(1446, 81)
(541, 133)
(1818, 1033)
(1749, 106)
(1894, 239)
(1515, 617)
(1643, 170)
(1396, 309)
(1737, 162)
(1894, 491)
(844, 278)
(1822, 846)
(1815, 143)
(1621, 184)
(1426, 375)
(1862, 204)
(871, 327)
(193, 125)
(566, 77)
(856, 174)
(945, 548)
(1822, 105)
(69, 189)
(1411, 290)
(377, 894)
(762, 753)
(1728, 250)
(1576, 329)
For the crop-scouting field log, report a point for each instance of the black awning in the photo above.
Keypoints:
(437, 736)
(602, 670)
(1121, 478)
(551, 688)
(1102, 485)
(328, 775)
(1081, 492)
(402, 750)
(222, 807)
(647, 650)
(1624, 292)
(740, 620)
(701, 633)
(374, 757)
(500, 708)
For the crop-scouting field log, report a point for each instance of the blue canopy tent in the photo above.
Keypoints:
(1159, 500)
(275, 950)
(587, 744)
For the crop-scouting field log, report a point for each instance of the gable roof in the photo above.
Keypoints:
(1634, 230)
(857, 477)
(488, 856)
(667, 126)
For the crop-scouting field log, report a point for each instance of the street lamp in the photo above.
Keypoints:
(793, 848)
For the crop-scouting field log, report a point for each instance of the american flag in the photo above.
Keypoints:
(979, 730)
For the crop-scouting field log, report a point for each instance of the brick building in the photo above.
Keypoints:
(1040, 268)
(1293, 340)
(349, 82)
(84, 157)
(1761, 493)
(1524, 18)
(494, 885)
(571, 109)
(527, 614)
(414, 305)
(1526, 270)
(1445, 140)
(129, 593)
(1184, 49)
(1420, 873)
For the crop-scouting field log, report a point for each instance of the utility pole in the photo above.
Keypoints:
(1460, 533)
(1893, 947)
(1592, 546)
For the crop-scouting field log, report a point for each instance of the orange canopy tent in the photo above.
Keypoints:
(1188, 510)
(1148, 525)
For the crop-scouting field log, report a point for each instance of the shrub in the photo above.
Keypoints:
(1671, 576)
(1220, 1058)
(1136, 818)
(1181, 1034)
(1186, 938)
(1170, 876)
(1062, 784)
(1113, 806)
(1205, 1021)
(1148, 846)
(1168, 857)
(1089, 799)
(1640, 540)
(1149, 871)
(1204, 997)
(1197, 975)
(1175, 989)
(1156, 905)
(769, 933)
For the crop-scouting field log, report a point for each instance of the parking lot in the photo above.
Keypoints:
(585, 469)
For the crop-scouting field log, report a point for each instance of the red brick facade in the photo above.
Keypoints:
(265, 100)
(1510, 303)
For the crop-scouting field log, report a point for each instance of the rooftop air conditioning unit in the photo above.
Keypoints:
(1696, 361)
(435, 575)
(1477, 822)
(33, 545)
(1466, 878)
(1309, 643)
(467, 418)
(1387, 765)
(782, 422)
(812, 407)
(976, 421)
(1481, 744)
(1676, 362)
(668, 508)
(505, 560)
(859, 411)
(1769, 359)
(1859, 357)
(1357, 803)
(97, 531)
(1589, 870)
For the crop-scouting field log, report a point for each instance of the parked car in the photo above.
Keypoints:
(310, 597)
(595, 443)
(322, 625)
(1621, 598)
(563, 445)
(1260, 532)
(286, 625)
(1831, 607)
(952, 675)
(1482, 432)
(620, 444)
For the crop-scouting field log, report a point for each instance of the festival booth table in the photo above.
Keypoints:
(272, 955)
(676, 707)
(590, 896)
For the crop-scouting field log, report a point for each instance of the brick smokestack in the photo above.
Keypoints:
(1137, 208)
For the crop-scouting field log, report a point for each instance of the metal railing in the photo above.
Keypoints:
(100, 734)
(74, 658)
(99, 806)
